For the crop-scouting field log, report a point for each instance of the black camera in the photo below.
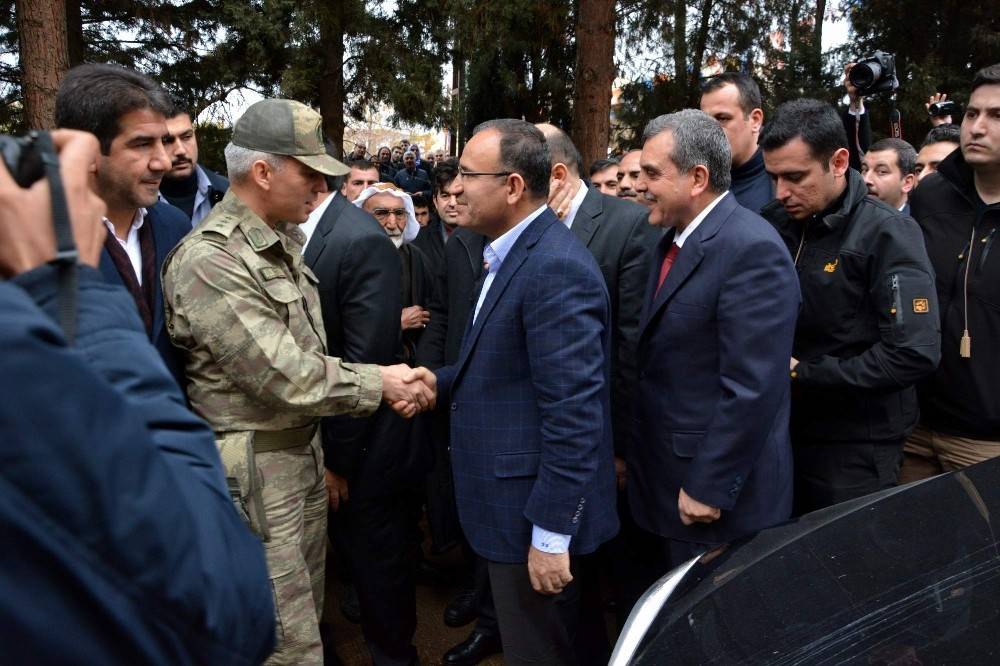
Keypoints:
(23, 158)
(945, 108)
(875, 74)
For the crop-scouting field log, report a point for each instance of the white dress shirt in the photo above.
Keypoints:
(309, 226)
(581, 194)
(689, 229)
(131, 242)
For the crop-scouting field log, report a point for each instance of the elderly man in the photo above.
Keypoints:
(711, 459)
(529, 397)
(244, 309)
(410, 178)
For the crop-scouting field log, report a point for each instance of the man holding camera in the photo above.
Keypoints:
(244, 308)
(123, 544)
(867, 330)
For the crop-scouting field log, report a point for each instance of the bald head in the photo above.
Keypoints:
(561, 148)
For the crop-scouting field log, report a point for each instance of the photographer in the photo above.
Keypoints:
(123, 545)
(856, 122)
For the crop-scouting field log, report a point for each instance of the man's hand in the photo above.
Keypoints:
(336, 489)
(408, 390)
(27, 236)
(561, 197)
(414, 317)
(621, 473)
(692, 511)
(852, 92)
(934, 99)
(549, 572)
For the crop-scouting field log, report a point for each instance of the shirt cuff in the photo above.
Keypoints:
(549, 542)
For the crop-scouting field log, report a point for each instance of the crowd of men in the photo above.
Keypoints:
(581, 377)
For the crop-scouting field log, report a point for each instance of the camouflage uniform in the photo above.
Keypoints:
(244, 308)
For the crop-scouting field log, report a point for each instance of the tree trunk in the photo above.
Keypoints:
(595, 73)
(74, 32)
(698, 55)
(41, 27)
(331, 83)
(817, 45)
(680, 44)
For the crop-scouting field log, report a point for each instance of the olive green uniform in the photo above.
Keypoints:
(244, 309)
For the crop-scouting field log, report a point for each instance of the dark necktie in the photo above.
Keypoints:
(668, 262)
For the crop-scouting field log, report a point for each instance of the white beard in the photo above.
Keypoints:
(397, 241)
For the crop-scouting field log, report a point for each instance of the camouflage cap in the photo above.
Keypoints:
(286, 127)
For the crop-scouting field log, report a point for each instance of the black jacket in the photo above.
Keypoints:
(431, 242)
(963, 396)
(867, 331)
(751, 186)
(359, 274)
(415, 182)
(618, 234)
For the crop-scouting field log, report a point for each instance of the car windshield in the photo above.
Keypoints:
(907, 576)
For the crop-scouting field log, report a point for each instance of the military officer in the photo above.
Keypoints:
(243, 308)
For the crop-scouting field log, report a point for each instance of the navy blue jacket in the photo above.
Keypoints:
(713, 400)
(751, 186)
(169, 226)
(122, 545)
(415, 182)
(530, 401)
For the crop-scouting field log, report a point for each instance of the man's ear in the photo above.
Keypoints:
(699, 180)
(909, 182)
(515, 188)
(840, 162)
(756, 120)
(260, 174)
(559, 171)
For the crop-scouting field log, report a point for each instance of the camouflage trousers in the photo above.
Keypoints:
(295, 505)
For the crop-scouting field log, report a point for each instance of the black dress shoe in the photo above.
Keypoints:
(461, 610)
(473, 649)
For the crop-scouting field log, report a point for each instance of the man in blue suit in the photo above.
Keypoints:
(127, 112)
(711, 460)
(529, 396)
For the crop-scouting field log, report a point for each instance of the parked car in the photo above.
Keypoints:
(907, 576)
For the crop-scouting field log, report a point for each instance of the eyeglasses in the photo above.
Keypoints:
(470, 174)
(383, 213)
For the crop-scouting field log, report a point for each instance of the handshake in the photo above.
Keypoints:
(408, 391)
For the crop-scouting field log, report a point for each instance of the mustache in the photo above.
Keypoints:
(180, 161)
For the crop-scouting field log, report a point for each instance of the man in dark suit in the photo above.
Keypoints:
(711, 458)
(529, 397)
(369, 460)
(127, 112)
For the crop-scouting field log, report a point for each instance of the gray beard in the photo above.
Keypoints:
(397, 241)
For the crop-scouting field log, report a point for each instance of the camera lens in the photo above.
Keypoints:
(864, 75)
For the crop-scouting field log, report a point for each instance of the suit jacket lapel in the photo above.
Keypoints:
(323, 228)
(515, 259)
(586, 222)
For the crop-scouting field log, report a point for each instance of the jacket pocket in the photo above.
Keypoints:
(690, 310)
(513, 465)
(685, 444)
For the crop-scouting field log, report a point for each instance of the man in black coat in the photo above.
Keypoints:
(369, 464)
(432, 238)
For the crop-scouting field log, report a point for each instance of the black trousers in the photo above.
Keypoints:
(382, 547)
(549, 629)
(827, 473)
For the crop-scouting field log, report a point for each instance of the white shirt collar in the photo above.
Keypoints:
(137, 222)
(497, 251)
(689, 229)
(309, 226)
(581, 194)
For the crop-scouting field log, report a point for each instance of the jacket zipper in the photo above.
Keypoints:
(986, 250)
(897, 302)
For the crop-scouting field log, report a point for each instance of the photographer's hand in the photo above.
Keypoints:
(27, 237)
(857, 102)
(934, 99)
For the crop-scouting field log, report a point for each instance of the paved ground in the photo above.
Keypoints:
(432, 638)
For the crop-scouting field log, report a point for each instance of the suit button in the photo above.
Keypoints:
(454, 406)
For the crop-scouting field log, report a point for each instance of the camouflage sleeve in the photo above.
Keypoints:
(226, 310)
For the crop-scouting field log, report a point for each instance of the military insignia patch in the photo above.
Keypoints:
(271, 273)
(921, 305)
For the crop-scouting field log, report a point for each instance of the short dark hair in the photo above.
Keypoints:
(420, 200)
(749, 91)
(362, 165)
(986, 76)
(947, 133)
(94, 97)
(601, 165)
(562, 150)
(444, 173)
(811, 120)
(698, 139)
(906, 155)
(523, 150)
